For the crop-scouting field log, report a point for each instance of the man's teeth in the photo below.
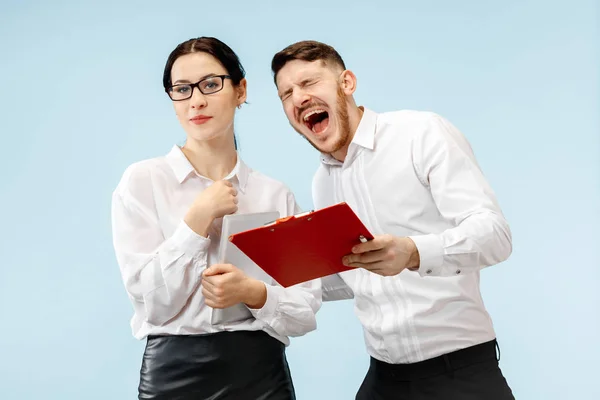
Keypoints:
(308, 114)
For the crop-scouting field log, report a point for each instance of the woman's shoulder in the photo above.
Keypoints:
(272, 193)
(139, 175)
(263, 181)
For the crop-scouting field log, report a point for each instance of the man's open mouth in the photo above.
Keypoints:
(316, 120)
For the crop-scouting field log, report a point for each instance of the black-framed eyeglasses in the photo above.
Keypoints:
(209, 85)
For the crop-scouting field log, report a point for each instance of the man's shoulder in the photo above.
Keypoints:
(320, 172)
(407, 124)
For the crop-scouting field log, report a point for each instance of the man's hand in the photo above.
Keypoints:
(385, 255)
(224, 285)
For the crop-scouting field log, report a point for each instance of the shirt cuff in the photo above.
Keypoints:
(431, 254)
(189, 241)
(269, 309)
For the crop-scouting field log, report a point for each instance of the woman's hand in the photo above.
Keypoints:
(224, 285)
(217, 200)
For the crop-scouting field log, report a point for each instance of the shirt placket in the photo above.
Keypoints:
(391, 305)
(368, 286)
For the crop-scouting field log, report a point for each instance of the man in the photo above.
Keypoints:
(413, 180)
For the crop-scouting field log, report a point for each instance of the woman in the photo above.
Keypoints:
(166, 221)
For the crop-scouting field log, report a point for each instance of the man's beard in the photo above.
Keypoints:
(341, 115)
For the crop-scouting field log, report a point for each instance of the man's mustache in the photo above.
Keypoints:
(305, 107)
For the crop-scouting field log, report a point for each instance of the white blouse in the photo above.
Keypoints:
(162, 259)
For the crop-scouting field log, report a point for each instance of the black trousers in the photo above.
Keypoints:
(240, 365)
(469, 374)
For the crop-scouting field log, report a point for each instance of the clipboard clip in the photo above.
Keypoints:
(284, 219)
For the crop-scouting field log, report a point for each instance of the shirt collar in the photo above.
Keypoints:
(182, 168)
(365, 133)
(363, 137)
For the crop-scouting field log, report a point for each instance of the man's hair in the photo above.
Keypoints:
(307, 50)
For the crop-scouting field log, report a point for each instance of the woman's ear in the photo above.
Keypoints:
(241, 92)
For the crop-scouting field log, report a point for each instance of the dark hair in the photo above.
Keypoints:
(215, 48)
(212, 46)
(307, 50)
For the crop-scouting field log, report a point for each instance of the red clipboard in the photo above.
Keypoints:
(303, 247)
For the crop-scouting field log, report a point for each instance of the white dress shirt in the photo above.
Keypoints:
(411, 173)
(161, 259)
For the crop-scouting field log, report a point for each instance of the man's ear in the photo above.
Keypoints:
(348, 82)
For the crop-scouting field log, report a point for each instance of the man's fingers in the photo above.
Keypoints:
(378, 243)
(366, 258)
(373, 267)
(356, 265)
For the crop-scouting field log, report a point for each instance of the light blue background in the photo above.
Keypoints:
(81, 99)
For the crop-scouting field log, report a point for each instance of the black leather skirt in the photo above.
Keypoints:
(241, 365)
